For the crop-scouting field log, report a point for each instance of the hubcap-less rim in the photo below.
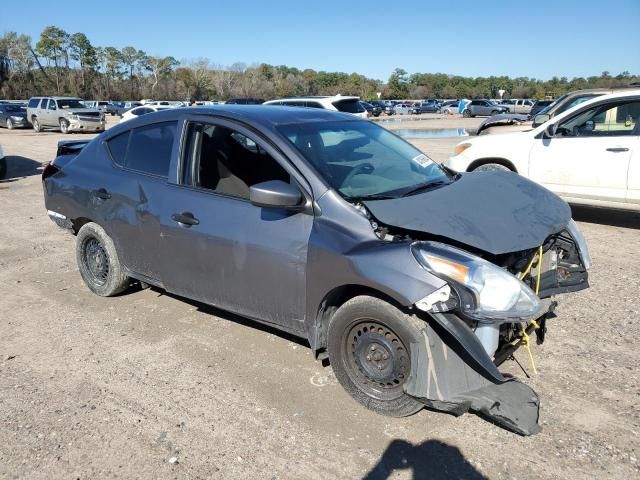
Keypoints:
(379, 362)
(95, 261)
(492, 167)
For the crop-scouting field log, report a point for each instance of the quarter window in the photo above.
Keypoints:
(118, 147)
(149, 148)
(226, 161)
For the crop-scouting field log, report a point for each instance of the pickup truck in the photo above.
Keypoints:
(517, 105)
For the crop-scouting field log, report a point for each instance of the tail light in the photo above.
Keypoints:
(49, 170)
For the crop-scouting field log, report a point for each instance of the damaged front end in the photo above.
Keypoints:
(486, 311)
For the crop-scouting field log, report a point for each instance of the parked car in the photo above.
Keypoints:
(124, 107)
(142, 110)
(358, 228)
(66, 113)
(483, 107)
(245, 101)
(426, 107)
(403, 109)
(516, 123)
(372, 110)
(538, 106)
(3, 164)
(13, 115)
(588, 155)
(97, 104)
(337, 103)
(449, 107)
(517, 105)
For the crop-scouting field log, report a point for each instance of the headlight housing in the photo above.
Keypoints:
(17, 119)
(487, 292)
(461, 148)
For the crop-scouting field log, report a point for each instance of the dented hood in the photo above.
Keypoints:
(497, 212)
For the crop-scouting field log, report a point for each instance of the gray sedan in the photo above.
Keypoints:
(413, 281)
(484, 108)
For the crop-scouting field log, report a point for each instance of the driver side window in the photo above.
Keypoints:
(610, 120)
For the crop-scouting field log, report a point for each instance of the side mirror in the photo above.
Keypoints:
(275, 194)
(53, 107)
(540, 119)
(551, 130)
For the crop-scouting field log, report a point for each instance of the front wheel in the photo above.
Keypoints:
(9, 124)
(368, 345)
(3, 167)
(466, 114)
(98, 261)
(64, 126)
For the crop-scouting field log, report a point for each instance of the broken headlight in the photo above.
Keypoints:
(486, 291)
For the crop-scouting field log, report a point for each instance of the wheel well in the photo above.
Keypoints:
(334, 300)
(78, 223)
(483, 161)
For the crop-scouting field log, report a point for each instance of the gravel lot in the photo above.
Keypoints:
(148, 385)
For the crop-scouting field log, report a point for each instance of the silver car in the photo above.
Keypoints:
(484, 107)
(68, 114)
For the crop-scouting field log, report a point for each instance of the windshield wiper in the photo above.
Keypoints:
(373, 196)
(425, 186)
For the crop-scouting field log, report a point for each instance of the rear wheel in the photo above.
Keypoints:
(3, 167)
(466, 114)
(36, 124)
(491, 167)
(64, 126)
(368, 344)
(98, 261)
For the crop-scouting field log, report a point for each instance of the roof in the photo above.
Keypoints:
(266, 115)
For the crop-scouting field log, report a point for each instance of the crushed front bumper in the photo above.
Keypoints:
(451, 372)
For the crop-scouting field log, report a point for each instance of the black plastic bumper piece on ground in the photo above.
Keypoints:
(449, 374)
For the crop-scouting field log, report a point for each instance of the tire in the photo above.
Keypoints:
(98, 261)
(10, 124)
(36, 124)
(3, 167)
(491, 167)
(495, 112)
(467, 114)
(64, 126)
(368, 346)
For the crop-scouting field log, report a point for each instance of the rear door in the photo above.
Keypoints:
(589, 158)
(231, 253)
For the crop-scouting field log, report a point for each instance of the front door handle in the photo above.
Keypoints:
(185, 219)
(617, 149)
(102, 194)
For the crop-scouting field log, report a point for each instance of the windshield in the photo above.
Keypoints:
(70, 103)
(363, 160)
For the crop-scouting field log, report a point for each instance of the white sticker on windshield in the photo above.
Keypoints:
(422, 160)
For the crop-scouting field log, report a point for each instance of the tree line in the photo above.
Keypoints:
(64, 63)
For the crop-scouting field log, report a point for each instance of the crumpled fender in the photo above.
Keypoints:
(450, 371)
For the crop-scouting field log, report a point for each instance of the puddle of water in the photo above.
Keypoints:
(431, 132)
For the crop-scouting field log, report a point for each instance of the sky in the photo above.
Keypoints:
(539, 38)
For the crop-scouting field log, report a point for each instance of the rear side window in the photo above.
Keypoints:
(118, 147)
(33, 103)
(349, 106)
(149, 149)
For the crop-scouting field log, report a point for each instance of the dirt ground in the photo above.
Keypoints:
(148, 385)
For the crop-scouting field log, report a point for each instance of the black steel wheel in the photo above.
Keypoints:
(98, 261)
(368, 345)
(378, 358)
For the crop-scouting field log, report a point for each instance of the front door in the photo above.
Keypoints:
(221, 249)
(589, 156)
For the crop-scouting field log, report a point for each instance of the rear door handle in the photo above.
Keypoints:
(185, 219)
(102, 194)
(617, 149)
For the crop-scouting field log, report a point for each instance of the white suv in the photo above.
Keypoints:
(336, 103)
(589, 154)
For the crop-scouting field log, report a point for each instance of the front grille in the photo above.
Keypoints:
(85, 118)
(89, 114)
